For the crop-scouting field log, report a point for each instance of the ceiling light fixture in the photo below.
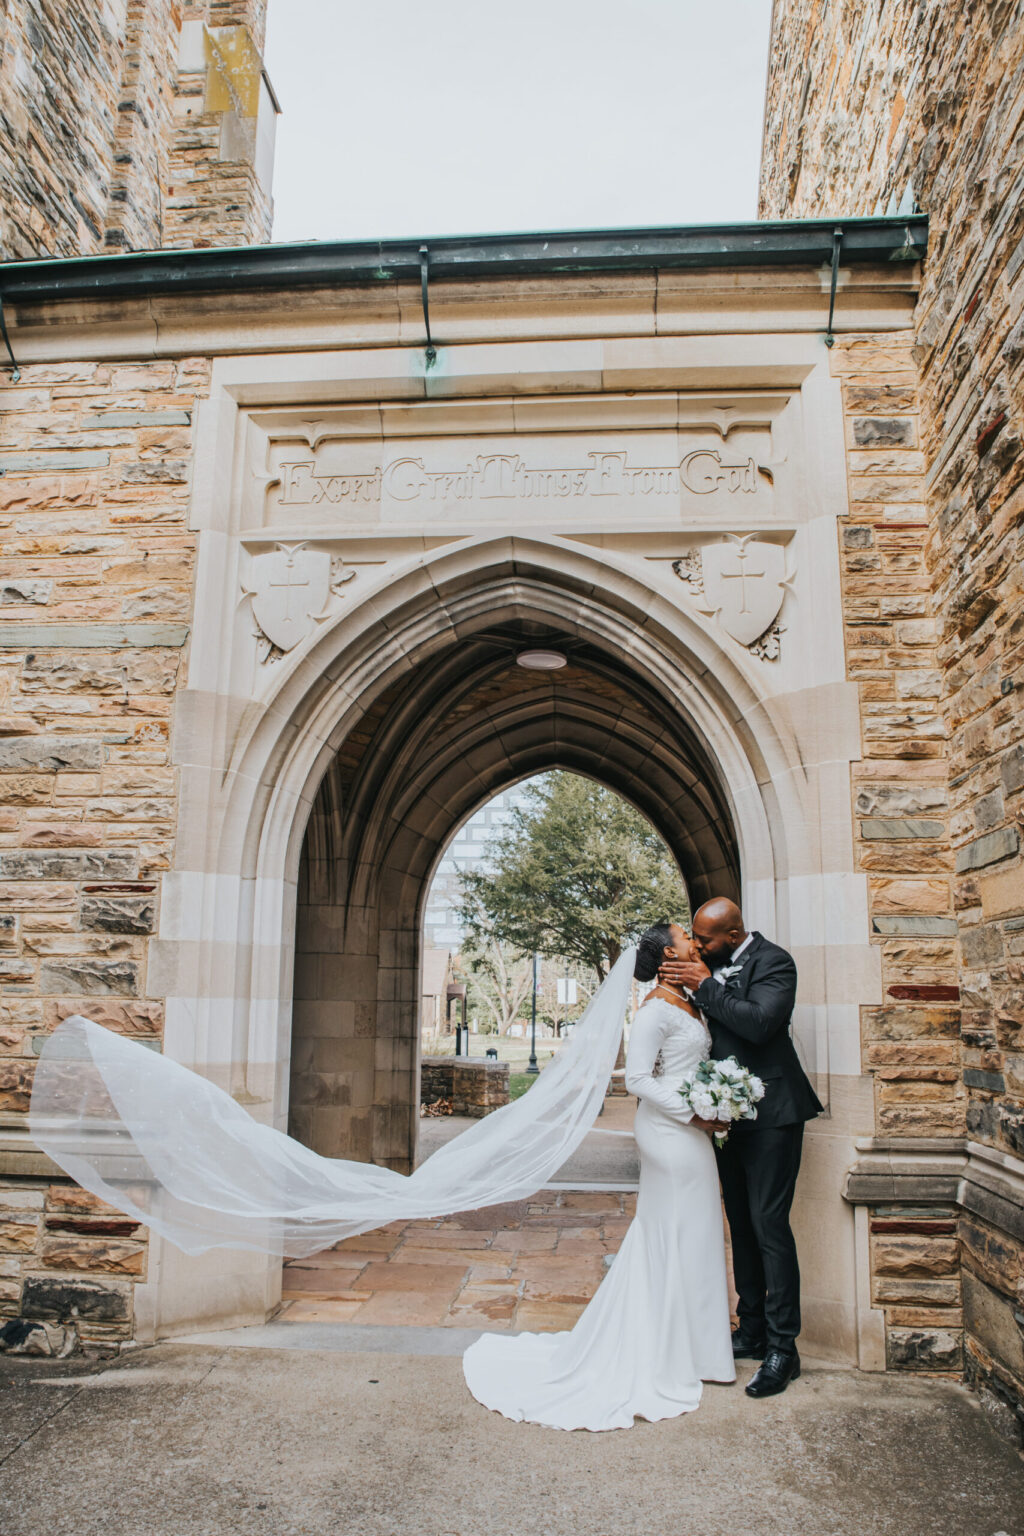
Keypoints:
(541, 661)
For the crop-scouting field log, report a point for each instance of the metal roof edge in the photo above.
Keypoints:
(789, 242)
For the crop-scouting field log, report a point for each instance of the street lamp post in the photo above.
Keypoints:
(532, 1064)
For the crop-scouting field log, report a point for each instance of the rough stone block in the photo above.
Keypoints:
(991, 1318)
(93, 1256)
(1012, 770)
(924, 927)
(981, 945)
(883, 432)
(88, 978)
(910, 1023)
(912, 897)
(874, 829)
(914, 1255)
(51, 754)
(18, 1236)
(924, 1349)
(123, 915)
(1002, 894)
(1001, 844)
(988, 1082)
(64, 864)
(51, 1296)
(16, 1086)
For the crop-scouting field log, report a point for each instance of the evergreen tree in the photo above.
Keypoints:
(577, 872)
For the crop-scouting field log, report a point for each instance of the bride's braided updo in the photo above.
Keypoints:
(650, 951)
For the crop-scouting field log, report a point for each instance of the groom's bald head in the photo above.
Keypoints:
(718, 929)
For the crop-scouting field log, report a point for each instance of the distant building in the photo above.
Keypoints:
(466, 851)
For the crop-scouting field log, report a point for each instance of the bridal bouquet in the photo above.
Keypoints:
(722, 1090)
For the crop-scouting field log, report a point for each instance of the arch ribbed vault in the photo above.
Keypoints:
(435, 743)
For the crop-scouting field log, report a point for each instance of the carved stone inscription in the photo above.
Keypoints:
(651, 475)
(507, 475)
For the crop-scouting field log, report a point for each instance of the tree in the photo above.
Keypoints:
(577, 872)
(498, 975)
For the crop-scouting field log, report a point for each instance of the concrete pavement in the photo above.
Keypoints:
(206, 1440)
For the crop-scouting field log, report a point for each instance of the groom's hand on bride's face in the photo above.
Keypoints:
(683, 973)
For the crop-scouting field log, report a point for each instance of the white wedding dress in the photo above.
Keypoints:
(658, 1326)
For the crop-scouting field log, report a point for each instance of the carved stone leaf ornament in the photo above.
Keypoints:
(290, 589)
(744, 584)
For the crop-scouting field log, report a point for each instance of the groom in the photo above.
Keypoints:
(746, 988)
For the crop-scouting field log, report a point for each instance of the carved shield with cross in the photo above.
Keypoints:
(744, 583)
(290, 588)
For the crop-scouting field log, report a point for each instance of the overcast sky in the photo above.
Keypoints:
(427, 117)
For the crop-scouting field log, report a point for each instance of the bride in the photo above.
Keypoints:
(172, 1149)
(658, 1326)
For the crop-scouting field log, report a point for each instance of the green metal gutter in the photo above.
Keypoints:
(808, 242)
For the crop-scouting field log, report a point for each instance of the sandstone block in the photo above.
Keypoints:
(69, 1197)
(910, 1023)
(928, 1119)
(995, 1258)
(60, 864)
(60, 835)
(1002, 894)
(1012, 770)
(46, 1296)
(884, 432)
(16, 1085)
(988, 849)
(910, 896)
(28, 897)
(118, 916)
(924, 1349)
(18, 1236)
(49, 754)
(873, 829)
(981, 945)
(932, 1292)
(930, 927)
(127, 1018)
(89, 978)
(25, 591)
(103, 1257)
(913, 1256)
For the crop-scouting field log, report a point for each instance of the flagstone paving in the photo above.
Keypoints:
(531, 1265)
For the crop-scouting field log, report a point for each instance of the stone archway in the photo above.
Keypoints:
(656, 706)
(431, 748)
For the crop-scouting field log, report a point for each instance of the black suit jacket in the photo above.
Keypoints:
(749, 1015)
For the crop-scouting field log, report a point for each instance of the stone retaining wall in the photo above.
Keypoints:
(476, 1088)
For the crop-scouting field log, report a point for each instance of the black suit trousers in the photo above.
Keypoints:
(758, 1167)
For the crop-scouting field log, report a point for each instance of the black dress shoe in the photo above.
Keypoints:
(779, 1369)
(746, 1346)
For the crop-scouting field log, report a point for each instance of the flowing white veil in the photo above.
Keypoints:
(178, 1153)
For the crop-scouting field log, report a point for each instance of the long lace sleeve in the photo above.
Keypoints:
(645, 1041)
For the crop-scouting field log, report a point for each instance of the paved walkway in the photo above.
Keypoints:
(533, 1265)
(203, 1440)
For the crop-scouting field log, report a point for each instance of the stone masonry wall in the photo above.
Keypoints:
(95, 608)
(105, 145)
(911, 1042)
(883, 105)
(60, 82)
